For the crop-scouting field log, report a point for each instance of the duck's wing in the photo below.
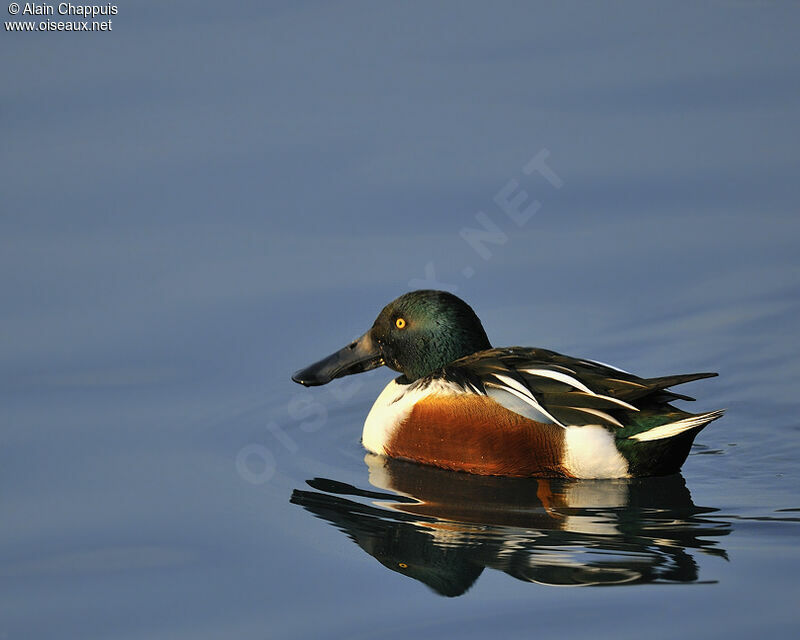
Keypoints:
(550, 387)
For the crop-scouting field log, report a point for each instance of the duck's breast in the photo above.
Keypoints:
(443, 425)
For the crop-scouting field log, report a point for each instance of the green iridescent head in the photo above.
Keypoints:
(418, 333)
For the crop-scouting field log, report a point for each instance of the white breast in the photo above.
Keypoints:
(393, 406)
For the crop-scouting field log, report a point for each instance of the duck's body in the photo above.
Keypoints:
(517, 411)
(531, 412)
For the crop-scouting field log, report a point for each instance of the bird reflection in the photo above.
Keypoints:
(443, 528)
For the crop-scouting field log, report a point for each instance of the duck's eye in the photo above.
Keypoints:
(402, 565)
(400, 323)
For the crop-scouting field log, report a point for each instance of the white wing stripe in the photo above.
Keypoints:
(510, 382)
(605, 364)
(468, 386)
(621, 403)
(512, 386)
(599, 414)
(561, 377)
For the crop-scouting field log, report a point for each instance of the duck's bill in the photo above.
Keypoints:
(360, 355)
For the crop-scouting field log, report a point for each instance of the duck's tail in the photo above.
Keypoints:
(662, 449)
(672, 429)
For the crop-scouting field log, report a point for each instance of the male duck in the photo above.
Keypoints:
(460, 404)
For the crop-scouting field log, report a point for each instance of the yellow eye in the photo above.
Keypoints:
(402, 565)
(400, 323)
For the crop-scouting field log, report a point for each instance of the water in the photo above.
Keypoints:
(186, 222)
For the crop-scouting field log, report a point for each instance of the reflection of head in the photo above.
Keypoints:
(398, 544)
(410, 550)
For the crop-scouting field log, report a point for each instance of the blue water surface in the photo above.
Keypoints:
(206, 198)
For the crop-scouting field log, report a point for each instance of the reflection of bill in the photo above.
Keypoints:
(443, 528)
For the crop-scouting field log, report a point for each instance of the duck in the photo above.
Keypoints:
(461, 404)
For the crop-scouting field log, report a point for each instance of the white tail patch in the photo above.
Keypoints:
(679, 426)
(590, 452)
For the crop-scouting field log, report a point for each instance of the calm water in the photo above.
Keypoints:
(200, 202)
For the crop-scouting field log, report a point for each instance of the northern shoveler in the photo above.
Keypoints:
(462, 405)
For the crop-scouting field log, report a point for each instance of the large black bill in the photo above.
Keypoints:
(360, 355)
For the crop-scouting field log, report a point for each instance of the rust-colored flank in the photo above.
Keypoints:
(478, 435)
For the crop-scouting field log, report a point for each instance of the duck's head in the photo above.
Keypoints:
(417, 334)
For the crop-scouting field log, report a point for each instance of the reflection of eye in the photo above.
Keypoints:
(402, 565)
(400, 323)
